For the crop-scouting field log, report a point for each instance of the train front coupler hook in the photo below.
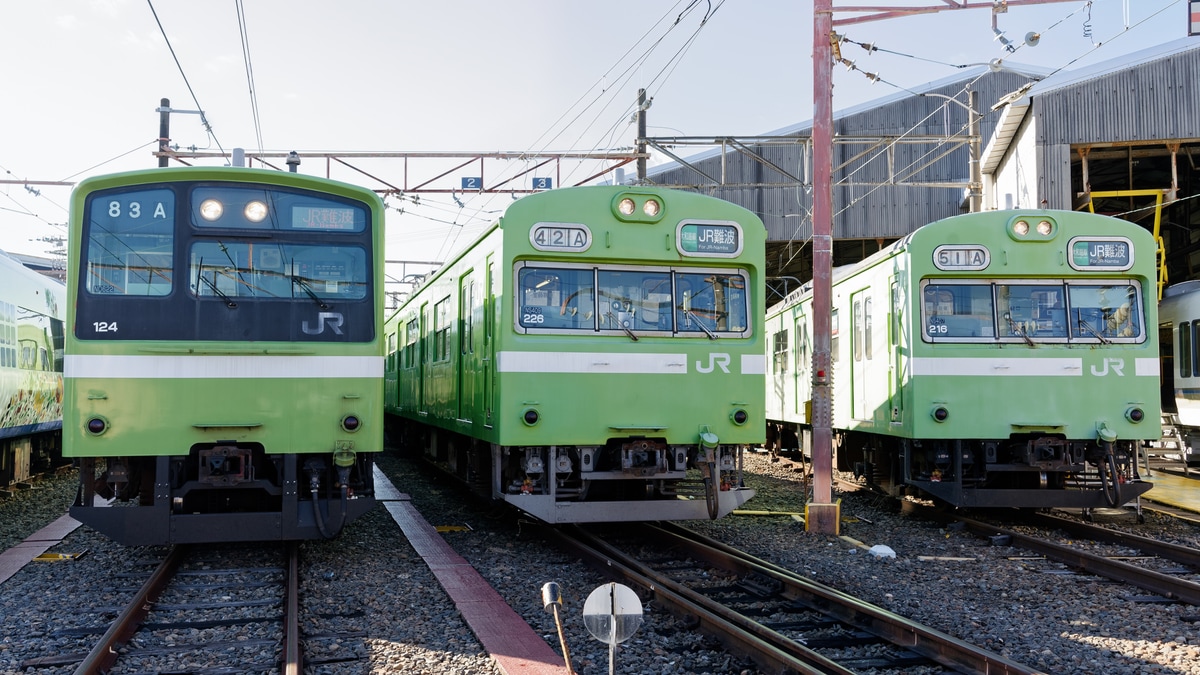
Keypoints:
(1110, 479)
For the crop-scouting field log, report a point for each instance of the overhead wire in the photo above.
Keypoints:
(203, 118)
(244, 33)
(871, 47)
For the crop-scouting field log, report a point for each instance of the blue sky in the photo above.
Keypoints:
(83, 79)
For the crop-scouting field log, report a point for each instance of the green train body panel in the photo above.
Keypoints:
(508, 349)
(1011, 347)
(221, 362)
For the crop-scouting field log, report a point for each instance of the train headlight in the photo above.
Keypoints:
(255, 211)
(211, 209)
(651, 207)
(96, 425)
(351, 423)
(1044, 228)
(1021, 227)
(940, 414)
(1135, 415)
(626, 206)
(739, 417)
(530, 417)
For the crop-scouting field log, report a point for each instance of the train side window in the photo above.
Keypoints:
(1195, 347)
(834, 338)
(856, 340)
(411, 333)
(1185, 348)
(867, 327)
(441, 330)
(780, 351)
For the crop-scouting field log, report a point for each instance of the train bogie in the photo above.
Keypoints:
(1001, 359)
(595, 356)
(224, 372)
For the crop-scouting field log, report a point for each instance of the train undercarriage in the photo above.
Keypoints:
(222, 493)
(1025, 471)
(627, 479)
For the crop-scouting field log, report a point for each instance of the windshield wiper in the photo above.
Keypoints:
(1016, 328)
(1098, 336)
(625, 328)
(213, 285)
(711, 335)
(687, 311)
(308, 289)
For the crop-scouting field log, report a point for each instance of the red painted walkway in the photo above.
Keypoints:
(513, 644)
(12, 560)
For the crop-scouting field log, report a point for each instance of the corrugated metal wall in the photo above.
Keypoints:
(863, 211)
(1152, 101)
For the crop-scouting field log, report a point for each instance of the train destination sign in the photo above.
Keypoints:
(569, 237)
(1100, 253)
(710, 239)
(961, 257)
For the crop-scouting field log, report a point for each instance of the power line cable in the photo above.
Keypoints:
(243, 32)
(203, 120)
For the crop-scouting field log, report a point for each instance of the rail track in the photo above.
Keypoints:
(1157, 570)
(193, 611)
(781, 621)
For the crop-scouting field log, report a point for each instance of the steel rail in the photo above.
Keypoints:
(104, 654)
(293, 657)
(1155, 582)
(1184, 555)
(710, 617)
(894, 628)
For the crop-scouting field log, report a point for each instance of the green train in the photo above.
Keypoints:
(595, 355)
(223, 378)
(996, 359)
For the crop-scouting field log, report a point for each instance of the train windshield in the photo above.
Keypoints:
(688, 302)
(1033, 311)
(230, 262)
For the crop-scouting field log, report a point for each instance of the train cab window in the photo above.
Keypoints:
(638, 300)
(1105, 312)
(224, 269)
(128, 242)
(711, 302)
(1031, 310)
(958, 311)
(563, 298)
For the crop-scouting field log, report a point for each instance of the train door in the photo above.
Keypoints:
(468, 364)
(861, 361)
(895, 363)
(489, 340)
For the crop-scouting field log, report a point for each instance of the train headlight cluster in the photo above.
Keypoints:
(634, 207)
(254, 211)
(1032, 229)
